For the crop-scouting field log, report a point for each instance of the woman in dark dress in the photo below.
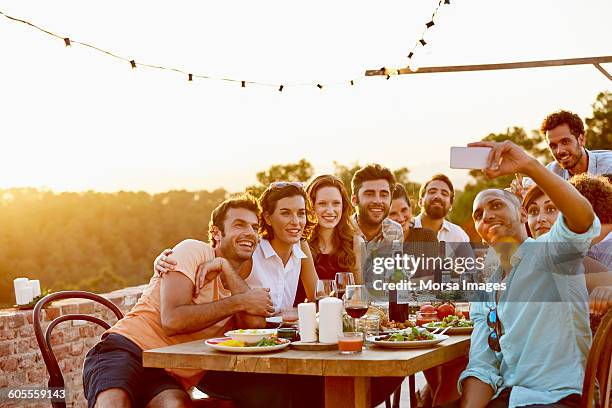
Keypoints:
(333, 238)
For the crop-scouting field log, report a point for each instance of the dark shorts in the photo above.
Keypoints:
(116, 362)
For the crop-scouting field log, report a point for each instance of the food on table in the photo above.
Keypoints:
(392, 325)
(412, 334)
(427, 309)
(445, 310)
(265, 342)
(452, 321)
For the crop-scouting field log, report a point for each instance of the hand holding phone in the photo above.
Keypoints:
(469, 157)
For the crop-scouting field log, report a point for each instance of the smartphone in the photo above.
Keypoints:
(469, 157)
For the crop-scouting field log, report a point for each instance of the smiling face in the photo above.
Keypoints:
(239, 237)
(373, 201)
(288, 219)
(541, 215)
(436, 202)
(566, 148)
(328, 206)
(497, 218)
(401, 213)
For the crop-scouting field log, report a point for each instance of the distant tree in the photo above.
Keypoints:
(300, 171)
(599, 126)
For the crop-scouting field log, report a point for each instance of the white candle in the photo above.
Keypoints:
(330, 320)
(23, 296)
(20, 285)
(35, 285)
(307, 322)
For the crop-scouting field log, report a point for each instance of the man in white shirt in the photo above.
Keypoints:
(436, 199)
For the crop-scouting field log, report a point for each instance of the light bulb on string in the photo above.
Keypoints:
(413, 66)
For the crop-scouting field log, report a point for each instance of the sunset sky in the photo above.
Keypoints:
(74, 119)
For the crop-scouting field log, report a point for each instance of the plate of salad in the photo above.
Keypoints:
(409, 338)
(230, 345)
(456, 325)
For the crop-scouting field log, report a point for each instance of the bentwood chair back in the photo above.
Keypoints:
(56, 379)
(598, 368)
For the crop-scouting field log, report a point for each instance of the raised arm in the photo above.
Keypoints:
(508, 158)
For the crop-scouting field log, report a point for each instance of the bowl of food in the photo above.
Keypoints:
(250, 336)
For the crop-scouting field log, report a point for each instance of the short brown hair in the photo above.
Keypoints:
(372, 172)
(400, 192)
(598, 190)
(438, 177)
(267, 204)
(563, 117)
(217, 218)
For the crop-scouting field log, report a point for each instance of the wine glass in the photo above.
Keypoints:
(356, 302)
(343, 279)
(324, 289)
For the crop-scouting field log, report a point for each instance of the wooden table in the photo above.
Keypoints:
(347, 377)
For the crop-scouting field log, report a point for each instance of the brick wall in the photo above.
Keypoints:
(21, 363)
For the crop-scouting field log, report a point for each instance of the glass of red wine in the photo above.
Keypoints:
(356, 302)
(325, 287)
(343, 279)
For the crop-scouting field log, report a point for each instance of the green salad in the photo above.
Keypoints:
(452, 321)
(413, 334)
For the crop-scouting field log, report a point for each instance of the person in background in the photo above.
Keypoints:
(333, 238)
(401, 209)
(436, 198)
(372, 187)
(564, 134)
(598, 190)
(510, 365)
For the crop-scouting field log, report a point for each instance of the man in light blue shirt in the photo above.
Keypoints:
(530, 342)
(564, 133)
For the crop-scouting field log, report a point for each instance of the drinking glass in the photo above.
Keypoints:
(350, 342)
(324, 289)
(343, 279)
(356, 302)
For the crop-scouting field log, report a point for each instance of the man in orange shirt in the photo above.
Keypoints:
(169, 312)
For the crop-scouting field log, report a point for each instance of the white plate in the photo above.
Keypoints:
(409, 344)
(212, 343)
(452, 330)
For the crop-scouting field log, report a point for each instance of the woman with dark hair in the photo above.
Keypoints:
(542, 213)
(332, 241)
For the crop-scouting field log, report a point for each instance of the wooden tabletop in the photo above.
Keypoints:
(373, 362)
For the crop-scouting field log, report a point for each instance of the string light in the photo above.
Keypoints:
(190, 76)
(421, 41)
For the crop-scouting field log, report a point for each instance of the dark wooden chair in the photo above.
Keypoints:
(598, 368)
(56, 379)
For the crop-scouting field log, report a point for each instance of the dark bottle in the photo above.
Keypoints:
(398, 308)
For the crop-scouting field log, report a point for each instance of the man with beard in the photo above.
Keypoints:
(530, 341)
(564, 133)
(372, 188)
(436, 199)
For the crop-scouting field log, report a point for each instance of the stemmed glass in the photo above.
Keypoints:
(343, 279)
(356, 302)
(324, 289)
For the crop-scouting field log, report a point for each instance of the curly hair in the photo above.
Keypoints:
(217, 218)
(372, 172)
(563, 117)
(598, 190)
(344, 232)
(267, 204)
